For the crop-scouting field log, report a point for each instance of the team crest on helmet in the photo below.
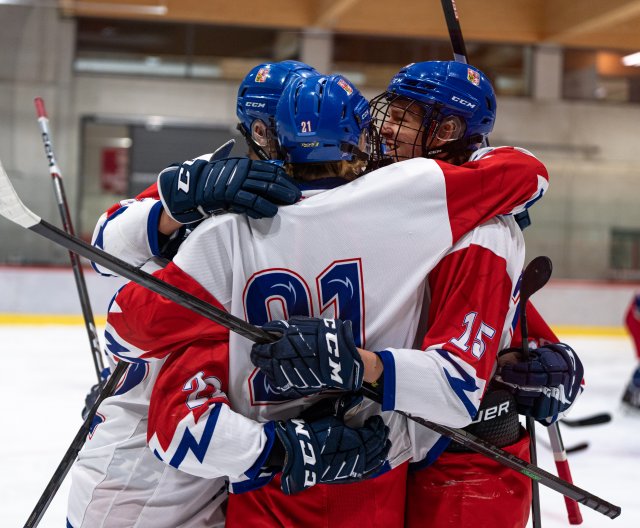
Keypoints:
(262, 75)
(345, 86)
(473, 76)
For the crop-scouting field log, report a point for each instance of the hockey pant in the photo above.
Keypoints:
(470, 490)
(372, 503)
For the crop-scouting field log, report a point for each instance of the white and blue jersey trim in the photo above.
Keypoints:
(389, 380)
(99, 241)
(152, 228)
(462, 385)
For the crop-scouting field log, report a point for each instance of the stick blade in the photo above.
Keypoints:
(535, 276)
(596, 419)
(11, 207)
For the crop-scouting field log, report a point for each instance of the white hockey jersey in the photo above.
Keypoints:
(117, 481)
(362, 251)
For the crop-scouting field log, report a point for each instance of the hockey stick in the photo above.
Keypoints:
(74, 448)
(534, 277)
(12, 208)
(543, 268)
(596, 419)
(580, 446)
(460, 55)
(564, 472)
(67, 225)
(455, 31)
(577, 448)
(108, 388)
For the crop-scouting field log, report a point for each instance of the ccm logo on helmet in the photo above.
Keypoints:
(255, 105)
(463, 102)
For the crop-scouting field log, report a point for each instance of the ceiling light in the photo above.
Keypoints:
(631, 60)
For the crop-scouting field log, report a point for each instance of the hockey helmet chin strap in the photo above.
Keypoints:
(258, 149)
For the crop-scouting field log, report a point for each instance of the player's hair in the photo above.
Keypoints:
(347, 170)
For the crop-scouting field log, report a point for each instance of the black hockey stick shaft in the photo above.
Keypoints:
(13, 209)
(67, 225)
(534, 277)
(74, 448)
(455, 31)
(150, 282)
(596, 419)
(533, 472)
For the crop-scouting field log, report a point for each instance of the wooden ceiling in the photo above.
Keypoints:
(610, 24)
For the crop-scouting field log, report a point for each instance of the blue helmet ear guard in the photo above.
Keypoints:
(322, 119)
(443, 89)
(259, 93)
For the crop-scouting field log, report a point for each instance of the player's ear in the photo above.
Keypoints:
(451, 128)
(259, 132)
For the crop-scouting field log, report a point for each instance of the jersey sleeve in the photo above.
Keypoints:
(143, 326)
(469, 320)
(192, 426)
(129, 229)
(502, 180)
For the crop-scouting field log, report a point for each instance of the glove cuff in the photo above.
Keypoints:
(346, 332)
(278, 455)
(182, 212)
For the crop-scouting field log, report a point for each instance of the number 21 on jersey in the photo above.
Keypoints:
(282, 293)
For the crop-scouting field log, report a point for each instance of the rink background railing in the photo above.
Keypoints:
(43, 295)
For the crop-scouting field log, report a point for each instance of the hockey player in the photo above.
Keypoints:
(117, 481)
(118, 229)
(443, 111)
(631, 396)
(346, 236)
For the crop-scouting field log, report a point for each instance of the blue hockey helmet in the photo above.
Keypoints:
(322, 119)
(260, 91)
(452, 97)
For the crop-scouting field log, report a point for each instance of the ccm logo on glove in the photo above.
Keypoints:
(311, 355)
(308, 454)
(332, 347)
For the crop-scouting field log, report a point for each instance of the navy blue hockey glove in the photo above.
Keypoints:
(90, 399)
(197, 188)
(345, 407)
(328, 451)
(312, 355)
(546, 385)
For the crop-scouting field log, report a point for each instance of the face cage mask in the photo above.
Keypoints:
(416, 127)
(367, 150)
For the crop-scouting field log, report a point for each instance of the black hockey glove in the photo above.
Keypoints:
(328, 451)
(312, 355)
(197, 188)
(546, 385)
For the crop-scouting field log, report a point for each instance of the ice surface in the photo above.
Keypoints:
(47, 370)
